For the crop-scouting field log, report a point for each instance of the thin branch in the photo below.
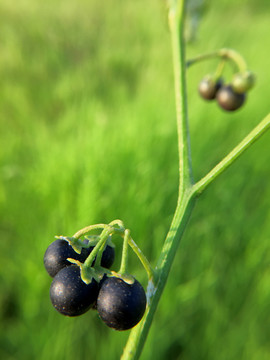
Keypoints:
(254, 135)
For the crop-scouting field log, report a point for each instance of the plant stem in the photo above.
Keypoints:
(254, 135)
(124, 260)
(88, 229)
(176, 15)
(187, 190)
(138, 335)
(143, 259)
(229, 54)
(185, 202)
(103, 238)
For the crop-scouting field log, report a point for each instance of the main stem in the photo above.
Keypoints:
(186, 200)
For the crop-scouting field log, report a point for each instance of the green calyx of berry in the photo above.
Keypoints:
(127, 278)
(89, 273)
(76, 244)
(243, 82)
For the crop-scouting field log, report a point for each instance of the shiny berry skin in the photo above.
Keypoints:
(208, 88)
(70, 295)
(56, 255)
(228, 99)
(121, 305)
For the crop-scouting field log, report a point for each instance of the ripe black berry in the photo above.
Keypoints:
(121, 305)
(208, 88)
(228, 99)
(70, 295)
(56, 255)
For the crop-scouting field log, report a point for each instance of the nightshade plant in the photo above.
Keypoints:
(188, 192)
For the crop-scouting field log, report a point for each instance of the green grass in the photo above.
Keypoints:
(88, 135)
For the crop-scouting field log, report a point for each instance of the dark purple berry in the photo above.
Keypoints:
(70, 295)
(121, 305)
(228, 99)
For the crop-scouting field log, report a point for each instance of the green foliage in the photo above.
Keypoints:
(88, 135)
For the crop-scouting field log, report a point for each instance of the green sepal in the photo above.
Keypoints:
(127, 278)
(76, 244)
(87, 273)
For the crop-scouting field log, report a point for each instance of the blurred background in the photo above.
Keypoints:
(88, 135)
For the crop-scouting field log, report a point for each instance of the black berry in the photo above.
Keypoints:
(56, 255)
(121, 305)
(208, 88)
(70, 295)
(228, 99)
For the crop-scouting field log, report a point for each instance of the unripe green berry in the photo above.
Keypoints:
(242, 82)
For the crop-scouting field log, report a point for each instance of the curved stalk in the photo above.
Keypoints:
(143, 259)
(225, 54)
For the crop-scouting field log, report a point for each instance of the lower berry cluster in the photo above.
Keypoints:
(120, 303)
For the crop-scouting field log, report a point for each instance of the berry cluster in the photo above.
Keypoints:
(230, 97)
(119, 298)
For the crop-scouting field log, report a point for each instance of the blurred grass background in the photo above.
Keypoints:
(88, 135)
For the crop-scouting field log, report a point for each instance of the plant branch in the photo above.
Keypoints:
(185, 202)
(176, 23)
(226, 54)
(143, 259)
(254, 135)
(139, 333)
(187, 190)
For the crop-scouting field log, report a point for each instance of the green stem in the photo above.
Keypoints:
(226, 54)
(254, 135)
(176, 15)
(124, 260)
(185, 202)
(219, 70)
(103, 238)
(118, 223)
(88, 229)
(100, 253)
(187, 191)
(138, 334)
(143, 259)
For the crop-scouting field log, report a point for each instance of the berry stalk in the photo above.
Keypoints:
(224, 54)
